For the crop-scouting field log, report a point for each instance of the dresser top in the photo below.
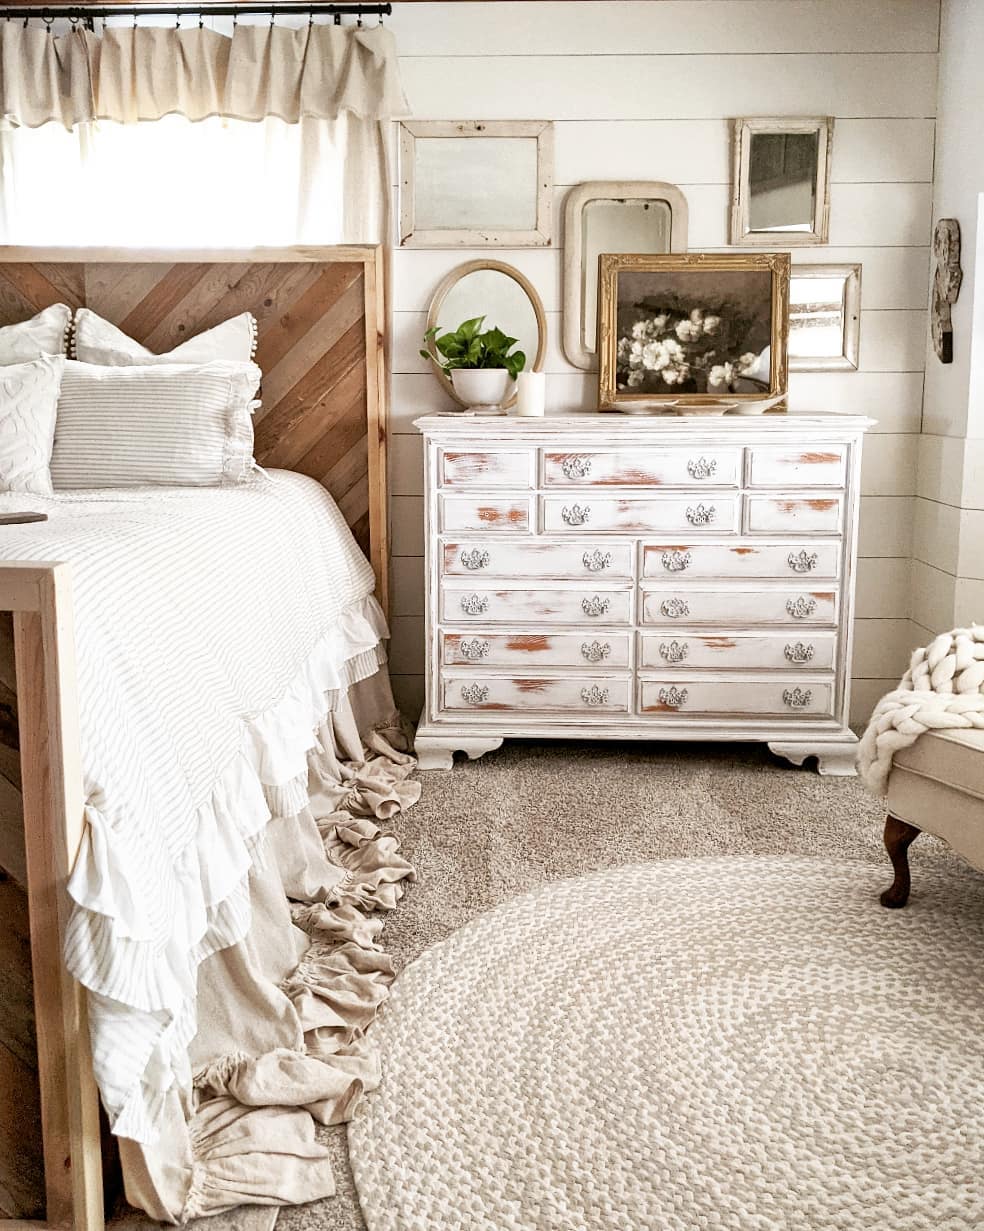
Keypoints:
(610, 425)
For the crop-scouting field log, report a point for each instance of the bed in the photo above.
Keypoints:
(206, 741)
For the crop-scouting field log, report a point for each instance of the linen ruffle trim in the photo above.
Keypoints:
(268, 779)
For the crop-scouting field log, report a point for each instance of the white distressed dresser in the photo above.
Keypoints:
(610, 577)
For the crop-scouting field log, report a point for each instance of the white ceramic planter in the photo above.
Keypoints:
(483, 388)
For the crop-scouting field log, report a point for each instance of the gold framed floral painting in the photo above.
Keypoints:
(696, 329)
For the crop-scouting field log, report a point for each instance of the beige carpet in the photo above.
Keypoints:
(529, 814)
(727, 1043)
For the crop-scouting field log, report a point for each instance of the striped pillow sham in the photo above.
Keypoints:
(181, 425)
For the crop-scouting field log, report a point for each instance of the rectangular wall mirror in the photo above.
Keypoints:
(781, 181)
(824, 317)
(642, 216)
(476, 183)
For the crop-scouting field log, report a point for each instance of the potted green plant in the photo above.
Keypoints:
(478, 364)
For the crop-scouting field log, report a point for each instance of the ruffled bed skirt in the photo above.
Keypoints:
(282, 1015)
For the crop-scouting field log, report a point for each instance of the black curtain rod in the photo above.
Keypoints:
(89, 12)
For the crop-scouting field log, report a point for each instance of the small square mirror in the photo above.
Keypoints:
(824, 317)
(780, 195)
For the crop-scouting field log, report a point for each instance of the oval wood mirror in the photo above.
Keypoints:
(501, 294)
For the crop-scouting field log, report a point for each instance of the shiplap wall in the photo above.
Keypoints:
(644, 90)
(948, 537)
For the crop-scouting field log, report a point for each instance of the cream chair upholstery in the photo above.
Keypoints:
(936, 785)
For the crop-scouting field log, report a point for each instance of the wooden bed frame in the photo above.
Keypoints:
(321, 318)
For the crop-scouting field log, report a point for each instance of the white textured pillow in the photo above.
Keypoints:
(95, 340)
(182, 425)
(44, 334)
(28, 401)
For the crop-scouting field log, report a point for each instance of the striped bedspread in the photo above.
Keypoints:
(210, 625)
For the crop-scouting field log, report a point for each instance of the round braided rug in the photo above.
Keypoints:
(731, 1043)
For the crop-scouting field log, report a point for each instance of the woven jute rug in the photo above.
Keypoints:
(740, 1043)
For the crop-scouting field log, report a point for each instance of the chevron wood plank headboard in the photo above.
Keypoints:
(320, 344)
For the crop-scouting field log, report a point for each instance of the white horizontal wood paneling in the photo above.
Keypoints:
(621, 87)
(644, 90)
(936, 534)
(932, 597)
(865, 695)
(699, 151)
(882, 647)
(681, 27)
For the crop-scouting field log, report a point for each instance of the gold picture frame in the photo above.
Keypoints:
(683, 353)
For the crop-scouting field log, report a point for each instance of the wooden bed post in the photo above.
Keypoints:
(51, 768)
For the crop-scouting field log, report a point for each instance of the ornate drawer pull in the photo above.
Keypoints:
(701, 516)
(473, 650)
(576, 516)
(595, 652)
(701, 468)
(799, 653)
(801, 607)
(803, 562)
(475, 694)
(674, 608)
(675, 652)
(474, 604)
(673, 697)
(796, 698)
(596, 606)
(594, 695)
(576, 466)
(596, 562)
(676, 561)
(475, 559)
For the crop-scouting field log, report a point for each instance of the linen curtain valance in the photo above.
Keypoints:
(128, 74)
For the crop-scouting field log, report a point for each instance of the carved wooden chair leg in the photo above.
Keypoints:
(899, 836)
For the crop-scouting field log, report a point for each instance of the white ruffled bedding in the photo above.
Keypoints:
(213, 628)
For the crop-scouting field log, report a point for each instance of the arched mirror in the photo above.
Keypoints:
(505, 298)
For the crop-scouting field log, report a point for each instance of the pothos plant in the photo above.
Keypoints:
(469, 347)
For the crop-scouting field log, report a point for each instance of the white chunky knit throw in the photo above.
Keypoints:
(943, 690)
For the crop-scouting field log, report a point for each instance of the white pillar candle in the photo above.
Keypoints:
(531, 389)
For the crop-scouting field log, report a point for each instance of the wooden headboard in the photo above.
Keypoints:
(320, 318)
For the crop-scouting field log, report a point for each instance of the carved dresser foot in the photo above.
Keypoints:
(835, 758)
(437, 751)
(899, 836)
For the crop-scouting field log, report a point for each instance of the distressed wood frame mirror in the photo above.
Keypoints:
(638, 203)
(476, 183)
(824, 318)
(780, 192)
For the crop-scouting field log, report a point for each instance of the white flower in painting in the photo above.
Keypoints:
(624, 346)
(659, 322)
(640, 330)
(712, 324)
(636, 377)
(654, 356)
(697, 316)
(721, 376)
(747, 362)
(673, 348)
(688, 331)
(676, 374)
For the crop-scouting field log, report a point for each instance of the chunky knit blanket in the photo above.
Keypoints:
(943, 690)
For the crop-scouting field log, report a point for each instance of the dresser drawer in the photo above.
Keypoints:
(711, 513)
(643, 467)
(496, 468)
(551, 605)
(526, 695)
(729, 606)
(530, 651)
(534, 558)
(784, 466)
(737, 651)
(793, 514)
(503, 514)
(744, 698)
(687, 560)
